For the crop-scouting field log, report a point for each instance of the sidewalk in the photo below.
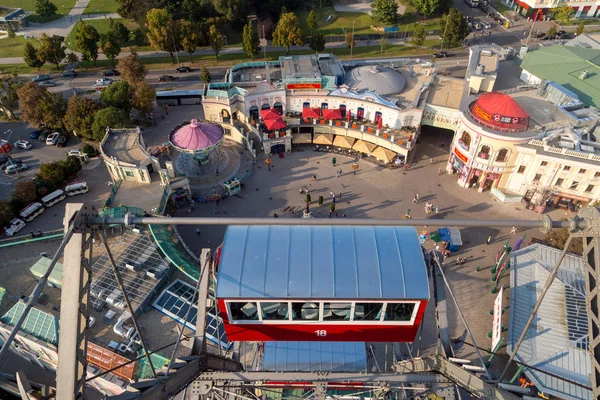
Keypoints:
(207, 51)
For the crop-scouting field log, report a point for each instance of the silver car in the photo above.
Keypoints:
(47, 83)
(14, 168)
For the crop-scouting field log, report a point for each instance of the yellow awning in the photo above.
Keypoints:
(383, 154)
(301, 138)
(343, 141)
(323, 139)
(364, 147)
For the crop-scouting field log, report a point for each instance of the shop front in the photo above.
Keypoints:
(458, 162)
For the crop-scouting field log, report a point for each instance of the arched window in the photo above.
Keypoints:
(465, 140)
(484, 152)
(502, 154)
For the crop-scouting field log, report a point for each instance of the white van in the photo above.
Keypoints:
(15, 226)
(31, 211)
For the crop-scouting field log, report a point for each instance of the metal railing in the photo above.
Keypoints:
(14, 241)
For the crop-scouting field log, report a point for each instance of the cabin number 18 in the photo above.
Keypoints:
(321, 332)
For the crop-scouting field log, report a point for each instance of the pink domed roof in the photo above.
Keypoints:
(197, 135)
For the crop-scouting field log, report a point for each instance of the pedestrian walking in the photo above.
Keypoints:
(431, 161)
(197, 231)
(489, 240)
(333, 199)
(331, 194)
(216, 171)
(340, 172)
(417, 196)
(340, 195)
(513, 230)
(415, 199)
(439, 171)
(437, 209)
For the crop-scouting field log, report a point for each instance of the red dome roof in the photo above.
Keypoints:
(500, 110)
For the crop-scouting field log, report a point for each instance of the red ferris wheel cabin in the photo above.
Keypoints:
(322, 283)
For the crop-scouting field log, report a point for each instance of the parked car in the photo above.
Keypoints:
(12, 161)
(44, 135)
(103, 81)
(15, 226)
(41, 78)
(35, 134)
(440, 54)
(111, 72)
(183, 69)
(23, 144)
(539, 35)
(13, 169)
(75, 153)
(52, 138)
(166, 78)
(4, 160)
(565, 36)
(62, 141)
(47, 83)
(486, 25)
(68, 74)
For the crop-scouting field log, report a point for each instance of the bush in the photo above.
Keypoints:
(26, 191)
(6, 212)
(90, 150)
(320, 200)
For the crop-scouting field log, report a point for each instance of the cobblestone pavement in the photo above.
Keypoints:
(376, 192)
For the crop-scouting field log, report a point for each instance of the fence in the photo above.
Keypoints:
(58, 233)
(163, 201)
(113, 192)
(375, 37)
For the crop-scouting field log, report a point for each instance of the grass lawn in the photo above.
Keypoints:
(340, 21)
(15, 47)
(101, 7)
(64, 7)
(102, 26)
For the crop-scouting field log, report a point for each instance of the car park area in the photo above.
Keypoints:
(39, 153)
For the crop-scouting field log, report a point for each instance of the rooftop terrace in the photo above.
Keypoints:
(124, 145)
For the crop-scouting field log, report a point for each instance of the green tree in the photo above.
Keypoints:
(580, 28)
(117, 95)
(385, 11)
(71, 166)
(10, 32)
(137, 10)
(162, 31)
(86, 41)
(54, 108)
(552, 31)
(31, 96)
(72, 59)
(30, 56)
(80, 116)
(9, 85)
(110, 43)
(288, 32)
(52, 49)
(428, 7)
(251, 44)
(198, 10)
(349, 39)
(143, 97)
(132, 70)
(205, 75)
(189, 38)
(53, 174)
(563, 14)
(216, 40)
(26, 191)
(317, 43)
(90, 150)
(557, 238)
(120, 30)
(235, 11)
(110, 117)
(311, 21)
(6, 212)
(419, 34)
(45, 8)
(454, 27)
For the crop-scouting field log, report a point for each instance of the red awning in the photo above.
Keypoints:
(332, 113)
(271, 113)
(274, 124)
(311, 113)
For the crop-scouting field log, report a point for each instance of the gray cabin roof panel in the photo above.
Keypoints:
(554, 342)
(315, 356)
(343, 262)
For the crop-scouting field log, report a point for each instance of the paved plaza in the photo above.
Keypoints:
(377, 192)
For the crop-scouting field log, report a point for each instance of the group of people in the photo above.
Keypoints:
(429, 208)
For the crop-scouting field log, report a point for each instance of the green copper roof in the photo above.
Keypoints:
(42, 325)
(564, 65)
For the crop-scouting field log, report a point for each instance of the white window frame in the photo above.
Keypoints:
(320, 321)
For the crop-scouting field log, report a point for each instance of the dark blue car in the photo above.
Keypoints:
(35, 134)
